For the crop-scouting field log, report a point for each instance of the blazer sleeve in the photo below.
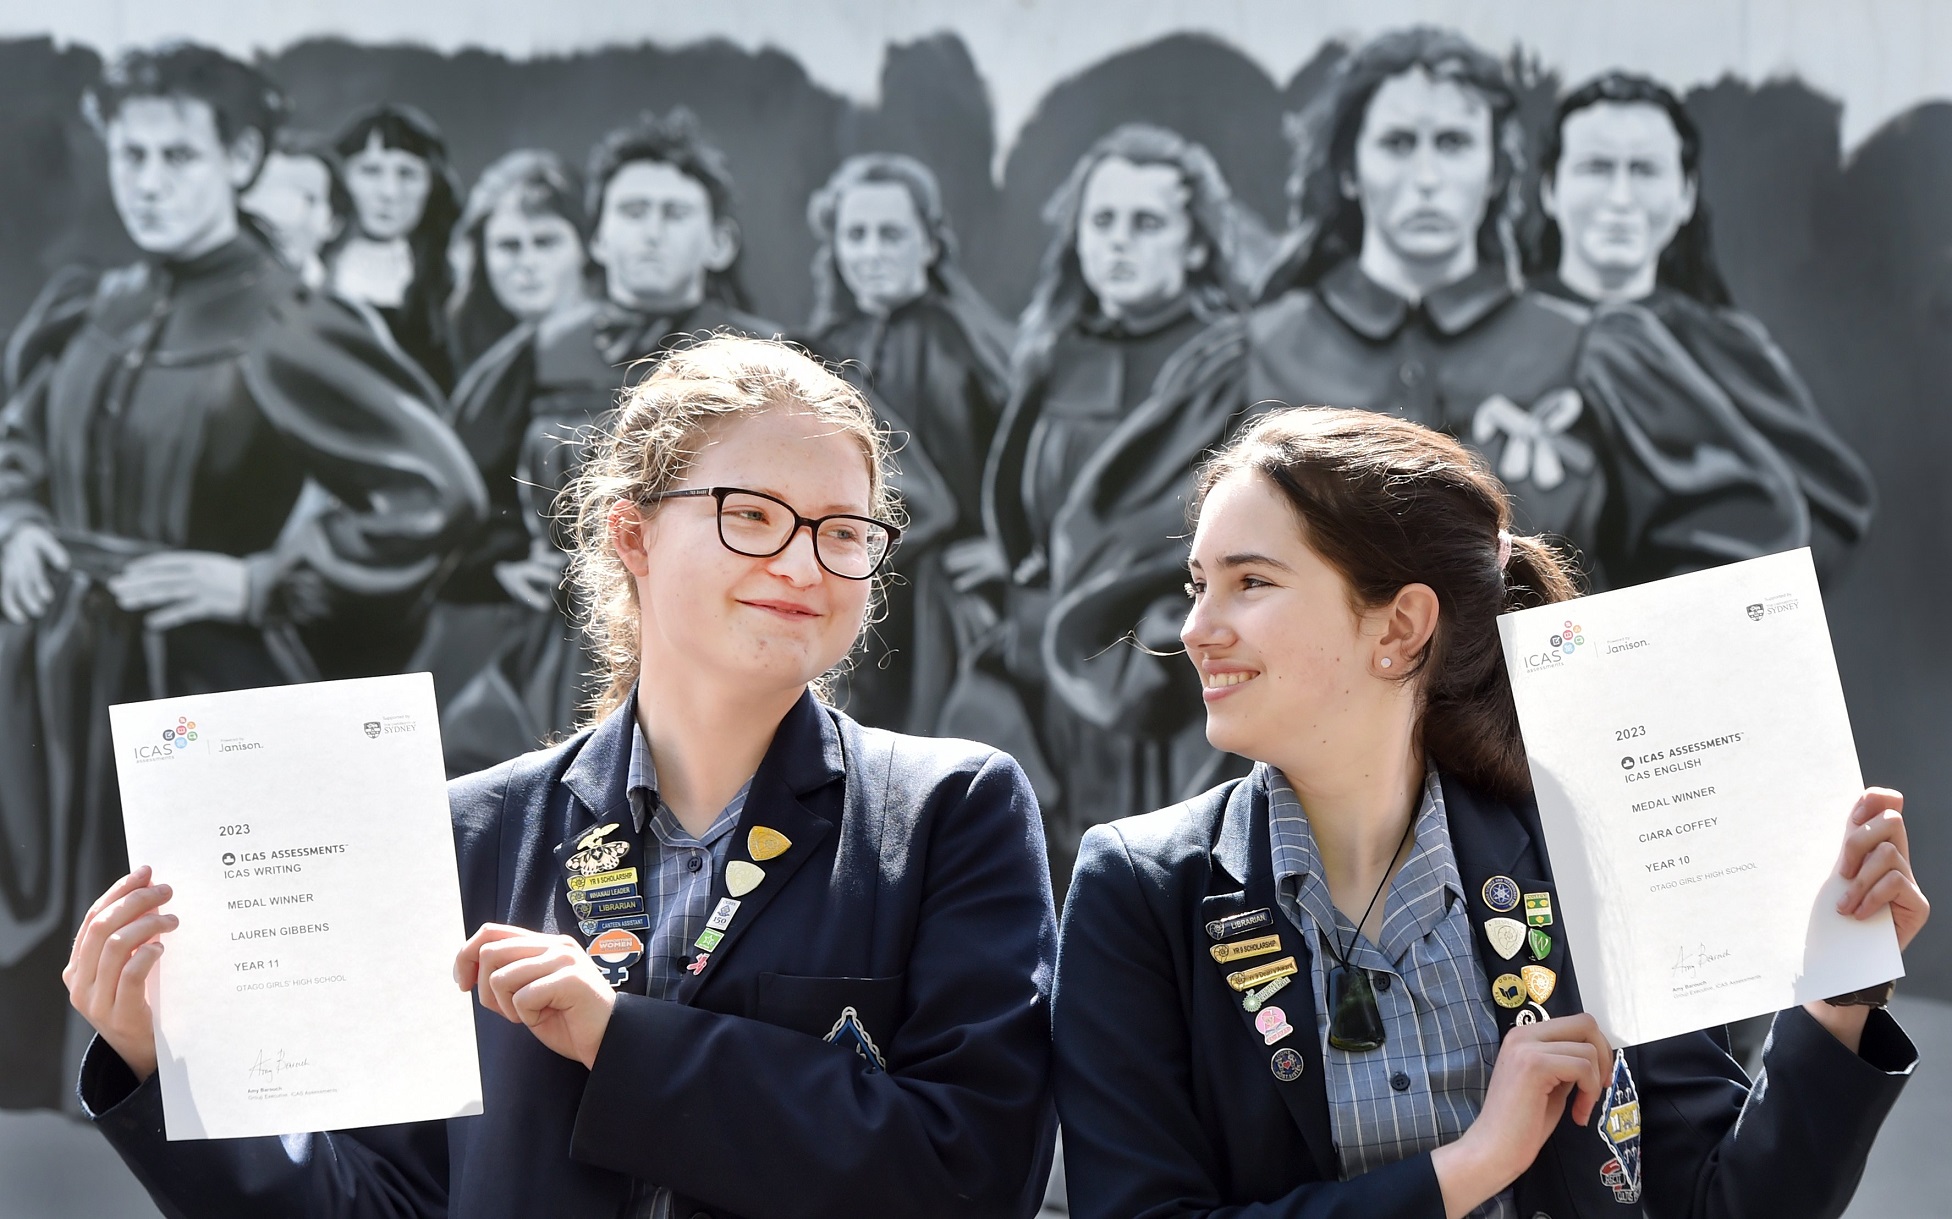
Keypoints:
(959, 1123)
(381, 1172)
(1794, 1144)
(404, 491)
(1134, 1143)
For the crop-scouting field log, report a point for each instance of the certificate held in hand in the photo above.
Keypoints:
(305, 833)
(1694, 767)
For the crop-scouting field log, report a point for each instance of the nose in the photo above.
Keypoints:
(1619, 187)
(1205, 627)
(1423, 167)
(797, 563)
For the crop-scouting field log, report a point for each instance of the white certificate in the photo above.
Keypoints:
(1695, 773)
(305, 833)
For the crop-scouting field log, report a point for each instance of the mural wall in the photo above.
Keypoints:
(302, 349)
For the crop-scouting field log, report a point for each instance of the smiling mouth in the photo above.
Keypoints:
(1221, 681)
(785, 609)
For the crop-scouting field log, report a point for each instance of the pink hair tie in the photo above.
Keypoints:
(1504, 549)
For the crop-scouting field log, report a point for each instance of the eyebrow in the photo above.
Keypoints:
(1246, 559)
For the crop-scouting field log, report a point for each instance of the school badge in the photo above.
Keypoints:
(1620, 1131)
(594, 855)
(1507, 935)
(848, 1031)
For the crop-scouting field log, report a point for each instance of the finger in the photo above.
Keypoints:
(131, 991)
(1883, 860)
(499, 955)
(1893, 888)
(78, 970)
(116, 951)
(138, 597)
(509, 985)
(1876, 800)
(553, 991)
(1881, 827)
(110, 917)
(467, 961)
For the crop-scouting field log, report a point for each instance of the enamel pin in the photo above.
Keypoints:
(1501, 894)
(722, 916)
(593, 855)
(1538, 943)
(1508, 991)
(1260, 946)
(1253, 1000)
(1248, 979)
(1286, 1064)
(763, 843)
(1273, 1025)
(1506, 936)
(1539, 982)
(1620, 1131)
(848, 1031)
(742, 878)
(1240, 924)
(1538, 909)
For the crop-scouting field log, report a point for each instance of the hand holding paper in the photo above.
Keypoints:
(1694, 767)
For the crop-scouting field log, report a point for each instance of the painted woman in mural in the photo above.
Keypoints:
(1400, 292)
(660, 195)
(1139, 264)
(890, 300)
(519, 256)
(517, 253)
(1620, 188)
(161, 421)
(299, 201)
(394, 254)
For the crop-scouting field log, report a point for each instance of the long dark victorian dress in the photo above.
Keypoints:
(186, 407)
(525, 411)
(935, 370)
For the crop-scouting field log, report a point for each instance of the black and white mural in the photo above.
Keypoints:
(306, 325)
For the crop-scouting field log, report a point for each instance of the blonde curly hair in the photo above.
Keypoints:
(651, 439)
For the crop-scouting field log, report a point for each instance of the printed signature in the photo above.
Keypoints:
(1686, 963)
(267, 1068)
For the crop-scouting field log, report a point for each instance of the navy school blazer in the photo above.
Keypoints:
(915, 891)
(1170, 1106)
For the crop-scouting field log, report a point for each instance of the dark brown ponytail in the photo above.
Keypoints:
(1389, 503)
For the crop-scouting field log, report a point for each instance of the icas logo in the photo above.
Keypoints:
(1569, 638)
(181, 735)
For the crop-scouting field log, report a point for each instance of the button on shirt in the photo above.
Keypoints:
(677, 889)
(1424, 1086)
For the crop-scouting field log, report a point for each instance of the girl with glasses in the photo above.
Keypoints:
(1337, 986)
(736, 955)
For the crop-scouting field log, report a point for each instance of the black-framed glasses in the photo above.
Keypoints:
(759, 526)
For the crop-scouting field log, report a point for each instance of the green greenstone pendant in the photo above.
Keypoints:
(1538, 942)
(1354, 1024)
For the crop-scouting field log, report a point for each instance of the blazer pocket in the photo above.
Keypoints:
(859, 1014)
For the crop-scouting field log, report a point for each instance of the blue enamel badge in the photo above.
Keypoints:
(848, 1031)
(1620, 1131)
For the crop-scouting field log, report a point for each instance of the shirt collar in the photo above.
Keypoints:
(1425, 885)
(1137, 325)
(1376, 313)
(641, 783)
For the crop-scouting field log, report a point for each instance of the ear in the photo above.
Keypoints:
(1549, 198)
(1351, 189)
(630, 537)
(245, 155)
(725, 245)
(1406, 626)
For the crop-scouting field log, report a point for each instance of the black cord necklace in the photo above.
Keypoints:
(1354, 1023)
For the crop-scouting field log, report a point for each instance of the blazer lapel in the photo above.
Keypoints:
(596, 779)
(1495, 838)
(805, 756)
(1243, 856)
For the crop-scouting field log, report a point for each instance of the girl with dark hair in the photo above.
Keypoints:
(1274, 999)
(894, 310)
(1620, 190)
(1140, 261)
(517, 253)
(1400, 294)
(394, 254)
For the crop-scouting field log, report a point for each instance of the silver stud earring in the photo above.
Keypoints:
(1386, 662)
